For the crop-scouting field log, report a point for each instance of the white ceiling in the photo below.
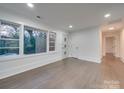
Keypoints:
(59, 16)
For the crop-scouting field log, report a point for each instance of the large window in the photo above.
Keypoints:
(9, 38)
(35, 41)
(52, 41)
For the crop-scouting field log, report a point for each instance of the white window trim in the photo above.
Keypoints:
(21, 47)
(55, 43)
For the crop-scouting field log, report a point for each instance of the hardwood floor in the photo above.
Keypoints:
(112, 70)
(70, 73)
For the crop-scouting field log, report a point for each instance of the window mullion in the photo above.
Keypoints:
(48, 42)
(21, 39)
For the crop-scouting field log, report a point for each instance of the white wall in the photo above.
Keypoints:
(14, 65)
(122, 45)
(85, 44)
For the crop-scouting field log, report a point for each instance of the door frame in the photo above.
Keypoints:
(117, 45)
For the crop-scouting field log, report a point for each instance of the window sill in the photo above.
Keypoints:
(16, 57)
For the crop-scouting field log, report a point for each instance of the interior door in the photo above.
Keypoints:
(110, 45)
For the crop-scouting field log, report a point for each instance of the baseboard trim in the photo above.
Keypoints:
(89, 60)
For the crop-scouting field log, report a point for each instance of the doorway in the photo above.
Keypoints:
(110, 36)
(111, 43)
(110, 46)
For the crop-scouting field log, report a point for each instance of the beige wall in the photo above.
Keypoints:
(122, 45)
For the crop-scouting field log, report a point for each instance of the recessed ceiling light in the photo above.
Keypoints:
(70, 26)
(107, 15)
(111, 28)
(30, 5)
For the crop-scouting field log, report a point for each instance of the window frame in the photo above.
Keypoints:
(55, 42)
(33, 28)
(21, 44)
(14, 25)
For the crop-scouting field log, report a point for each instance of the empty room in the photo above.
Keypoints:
(61, 46)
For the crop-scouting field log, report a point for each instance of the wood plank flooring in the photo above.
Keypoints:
(70, 73)
(112, 70)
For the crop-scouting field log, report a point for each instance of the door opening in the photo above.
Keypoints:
(110, 46)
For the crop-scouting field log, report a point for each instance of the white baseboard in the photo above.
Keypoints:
(89, 59)
(23, 68)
